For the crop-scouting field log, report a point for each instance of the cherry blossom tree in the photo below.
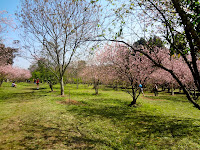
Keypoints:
(175, 20)
(18, 74)
(3, 72)
(134, 70)
(180, 69)
(92, 74)
(13, 73)
(75, 71)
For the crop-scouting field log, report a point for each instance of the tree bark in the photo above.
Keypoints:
(62, 86)
(172, 89)
(77, 83)
(96, 87)
(1, 81)
(51, 87)
(133, 102)
(179, 89)
(134, 96)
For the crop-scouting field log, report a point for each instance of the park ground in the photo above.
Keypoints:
(40, 119)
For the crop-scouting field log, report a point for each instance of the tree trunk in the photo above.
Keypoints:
(168, 89)
(172, 89)
(163, 89)
(179, 89)
(134, 96)
(190, 98)
(51, 86)
(116, 87)
(96, 87)
(133, 102)
(1, 81)
(96, 91)
(77, 83)
(62, 86)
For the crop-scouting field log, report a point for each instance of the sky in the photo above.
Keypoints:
(11, 6)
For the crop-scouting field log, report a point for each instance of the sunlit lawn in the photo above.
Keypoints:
(39, 119)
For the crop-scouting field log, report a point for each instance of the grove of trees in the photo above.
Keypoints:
(166, 51)
(176, 21)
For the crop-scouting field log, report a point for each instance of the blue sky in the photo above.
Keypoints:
(11, 6)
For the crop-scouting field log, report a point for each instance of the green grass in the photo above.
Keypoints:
(38, 119)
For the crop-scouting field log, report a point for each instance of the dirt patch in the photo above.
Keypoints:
(69, 102)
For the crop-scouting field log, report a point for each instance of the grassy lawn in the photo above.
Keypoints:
(39, 119)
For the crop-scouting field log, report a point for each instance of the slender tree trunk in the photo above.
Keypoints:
(1, 81)
(96, 87)
(172, 88)
(116, 87)
(162, 88)
(168, 89)
(96, 91)
(51, 86)
(77, 83)
(62, 86)
(134, 96)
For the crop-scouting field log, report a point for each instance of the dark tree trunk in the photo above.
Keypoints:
(133, 102)
(163, 88)
(51, 86)
(133, 96)
(168, 89)
(1, 82)
(62, 87)
(180, 90)
(77, 83)
(172, 89)
(96, 87)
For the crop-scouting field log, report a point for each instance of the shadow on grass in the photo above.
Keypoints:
(142, 127)
(46, 137)
(88, 94)
(179, 98)
(42, 137)
(38, 89)
(21, 97)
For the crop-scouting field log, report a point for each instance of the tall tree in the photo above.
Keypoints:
(60, 27)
